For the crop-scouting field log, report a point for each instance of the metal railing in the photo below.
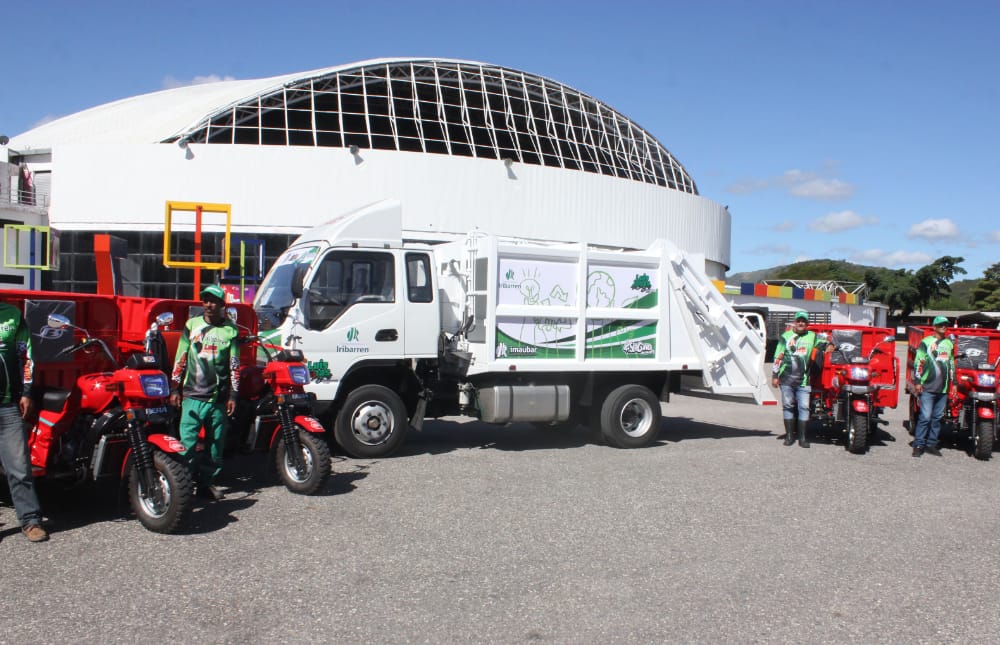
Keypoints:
(29, 197)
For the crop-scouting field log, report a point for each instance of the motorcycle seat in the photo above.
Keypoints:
(55, 400)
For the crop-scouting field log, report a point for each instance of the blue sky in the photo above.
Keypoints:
(864, 131)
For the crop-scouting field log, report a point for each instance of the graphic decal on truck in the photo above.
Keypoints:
(353, 344)
(509, 346)
(621, 339)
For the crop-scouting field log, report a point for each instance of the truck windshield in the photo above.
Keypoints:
(275, 294)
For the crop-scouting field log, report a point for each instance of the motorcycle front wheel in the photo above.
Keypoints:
(316, 458)
(857, 432)
(165, 507)
(983, 439)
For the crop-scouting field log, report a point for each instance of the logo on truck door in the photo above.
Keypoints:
(353, 344)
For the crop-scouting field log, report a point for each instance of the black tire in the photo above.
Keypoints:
(315, 454)
(371, 423)
(857, 433)
(630, 417)
(166, 509)
(983, 440)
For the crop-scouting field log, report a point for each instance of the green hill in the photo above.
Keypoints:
(843, 271)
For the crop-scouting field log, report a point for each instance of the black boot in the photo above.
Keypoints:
(789, 431)
(803, 442)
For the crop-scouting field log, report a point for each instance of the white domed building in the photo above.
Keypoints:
(460, 144)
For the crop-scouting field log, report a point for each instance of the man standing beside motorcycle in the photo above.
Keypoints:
(15, 406)
(794, 357)
(206, 376)
(933, 368)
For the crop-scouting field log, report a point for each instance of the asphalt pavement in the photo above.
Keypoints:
(483, 534)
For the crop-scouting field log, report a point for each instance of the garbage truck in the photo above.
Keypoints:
(499, 329)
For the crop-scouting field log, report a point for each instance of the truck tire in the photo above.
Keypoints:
(857, 433)
(371, 423)
(630, 417)
(983, 440)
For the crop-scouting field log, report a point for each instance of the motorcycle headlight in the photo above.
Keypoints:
(299, 374)
(859, 373)
(155, 385)
(986, 379)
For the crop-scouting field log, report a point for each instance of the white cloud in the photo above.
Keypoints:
(782, 227)
(823, 189)
(934, 229)
(892, 259)
(840, 221)
(170, 82)
(770, 249)
(995, 236)
(801, 183)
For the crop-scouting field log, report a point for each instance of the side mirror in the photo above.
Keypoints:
(57, 321)
(298, 280)
(165, 319)
(889, 339)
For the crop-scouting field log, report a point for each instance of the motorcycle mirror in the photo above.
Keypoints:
(889, 339)
(165, 319)
(57, 321)
(231, 313)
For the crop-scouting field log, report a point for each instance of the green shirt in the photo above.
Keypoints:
(793, 357)
(934, 363)
(15, 343)
(207, 366)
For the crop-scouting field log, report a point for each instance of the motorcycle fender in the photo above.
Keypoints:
(308, 423)
(164, 442)
(860, 406)
(984, 412)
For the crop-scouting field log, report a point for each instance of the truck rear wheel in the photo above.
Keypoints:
(630, 417)
(983, 439)
(371, 423)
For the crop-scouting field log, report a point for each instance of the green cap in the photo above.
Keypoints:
(801, 315)
(940, 320)
(214, 290)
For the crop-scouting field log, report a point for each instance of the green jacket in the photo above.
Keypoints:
(207, 366)
(934, 363)
(15, 344)
(794, 357)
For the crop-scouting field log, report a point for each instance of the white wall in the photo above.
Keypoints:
(285, 190)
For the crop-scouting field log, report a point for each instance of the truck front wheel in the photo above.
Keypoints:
(630, 417)
(371, 423)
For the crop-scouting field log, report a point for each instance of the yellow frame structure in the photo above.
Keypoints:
(193, 207)
(45, 231)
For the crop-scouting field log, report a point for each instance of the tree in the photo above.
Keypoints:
(985, 295)
(906, 291)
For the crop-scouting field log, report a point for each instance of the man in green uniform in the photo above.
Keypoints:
(206, 372)
(793, 361)
(15, 406)
(933, 369)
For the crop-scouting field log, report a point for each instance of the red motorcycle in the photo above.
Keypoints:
(280, 418)
(115, 425)
(855, 387)
(971, 409)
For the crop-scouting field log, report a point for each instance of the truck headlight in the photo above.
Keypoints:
(985, 379)
(299, 374)
(155, 385)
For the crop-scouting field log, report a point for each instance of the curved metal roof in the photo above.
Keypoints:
(434, 106)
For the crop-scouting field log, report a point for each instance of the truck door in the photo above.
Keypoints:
(421, 307)
(352, 311)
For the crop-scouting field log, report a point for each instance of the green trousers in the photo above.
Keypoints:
(206, 464)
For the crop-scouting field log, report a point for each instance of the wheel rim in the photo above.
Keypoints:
(636, 417)
(292, 472)
(372, 423)
(156, 502)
